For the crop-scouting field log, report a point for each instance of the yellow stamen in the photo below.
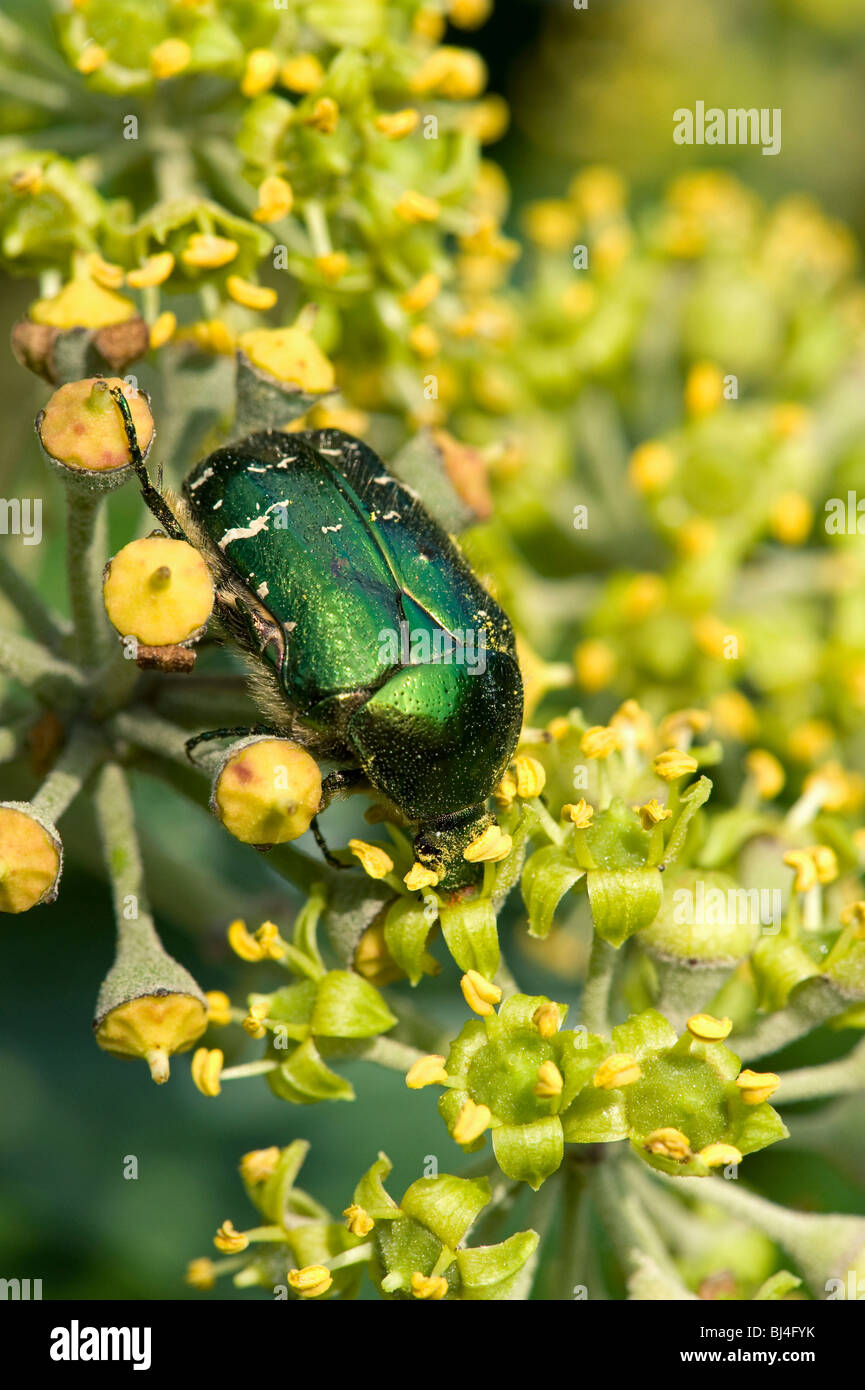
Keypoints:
(757, 1086)
(242, 944)
(154, 271)
(719, 1155)
(416, 207)
(595, 664)
(652, 813)
(91, 59)
(310, 1281)
(471, 1122)
(419, 876)
(275, 200)
(708, 1029)
(374, 860)
(272, 945)
(205, 251)
(765, 771)
(105, 273)
(530, 776)
(424, 341)
(395, 125)
(252, 1023)
(451, 72)
(506, 791)
(169, 58)
(550, 1081)
(490, 847)
(600, 741)
(302, 73)
(704, 388)
(207, 1066)
(260, 72)
(671, 1143)
(634, 725)
(547, 1019)
(433, 1288)
(259, 1164)
(251, 296)
(324, 117)
(426, 1071)
(162, 329)
(619, 1070)
(230, 1241)
(651, 466)
(480, 994)
(791, 517)
(580, 813)
(333, 265)
(218, 1008)
(358, 1221)
(201, 1273)
(673, 764)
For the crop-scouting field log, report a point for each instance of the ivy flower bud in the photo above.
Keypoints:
(395, 125)
(427, 1071)
(480, 994)
(260, 72)
(530, 777)
(81, 429)
(266, 791)
(765, 771)
(720, 1155)
(579, 814)
(671, 1143)
(550, 1081)
(600, 741)
(31, 858)
(358, 1221)
(152, 272)
(491, 846)
(230, 1241)
(673, 764)
(652, 813)
(259, 1164)
(159, 591)
(207, 1064)
(419, 876)
(432, 1287)
(218, 1008)
(275, 199)
(311, 1281)
(205, 251)
(302, 72)
(415, 207)
(619, 1070)
(757, 1086)
(471, 1122)
(705, 1028)
(374, 860)
(250, 295)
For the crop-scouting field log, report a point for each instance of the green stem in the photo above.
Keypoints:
(69, 774)
(387, 1052)
(572, 1262)
(49, 678)
(625, 1220)
(596, 991)
(39, 621)
(814, 1002)
(832, 1079)
(116, 818)
(86, 554)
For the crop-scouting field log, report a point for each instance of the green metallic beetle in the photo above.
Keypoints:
(372, 643)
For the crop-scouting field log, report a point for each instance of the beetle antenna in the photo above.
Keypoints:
(152, 496)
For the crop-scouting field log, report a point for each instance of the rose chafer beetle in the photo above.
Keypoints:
(371, 641)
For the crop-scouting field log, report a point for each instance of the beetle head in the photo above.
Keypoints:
(440, 845)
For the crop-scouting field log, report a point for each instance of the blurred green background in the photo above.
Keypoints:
(595, 85)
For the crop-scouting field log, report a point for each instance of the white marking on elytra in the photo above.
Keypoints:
(208, 473)
(257, 524)
(391, 516)
(334, 452)
(325, 529)
(217, 504)
(262, 590)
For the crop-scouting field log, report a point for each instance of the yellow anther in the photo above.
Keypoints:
(230, 1241)
(218, 1008)
(559, 727)
(719, 1155)
(374, 860)
(431, 1287)
(765, 771)
(480, 994)
(104, 272)
(421, 294)
(471, 1122)
(598, 191)
(683, 724)
(275, 199)
(310, 1281)
(854, 913)
(204, 251)
(324, 116)
(259, 1164)
(711, 634)
(651, 466)
(26, 180)
(595, 664)
(579, 813)
(673, 764)
(395, 125)
(550, 1081)
(547, 1019)
(419, 876)
(757, 1086)
(358, 1221)
(791, 517)
(708, 1029)
(734, 715)
(270, 941)
(412, 206)
(252, 1024)
(619, 1070)
(162, 329)
(802, 860)
(825, 863)
(250, 295)
(551, 223)
(260, 72)
(91, 59)
(242, 943)
(600, 741)
(154, 271)
(424, 341)
(429, 24)
(469, 14)
(704, 388)
(426, 1071)
(670, 1143)
(530, 775)
(644, 595)
(333, 265)
(634, 725)
(652, 813)
(451, 72)
(491, 846)
(169, 58)
(206, 1070)
(201, 1273)
(302, 73)
(506, 791)
(834, 787)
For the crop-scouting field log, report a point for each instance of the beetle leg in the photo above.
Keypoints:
(152, 496)
(238, 731)
(322, 844)
(343, 780)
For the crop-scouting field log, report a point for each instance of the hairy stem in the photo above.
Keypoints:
(47, 676)
(596, 992)
(39, 621)
(86, 554)
(69, 774)
(832, 1079)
